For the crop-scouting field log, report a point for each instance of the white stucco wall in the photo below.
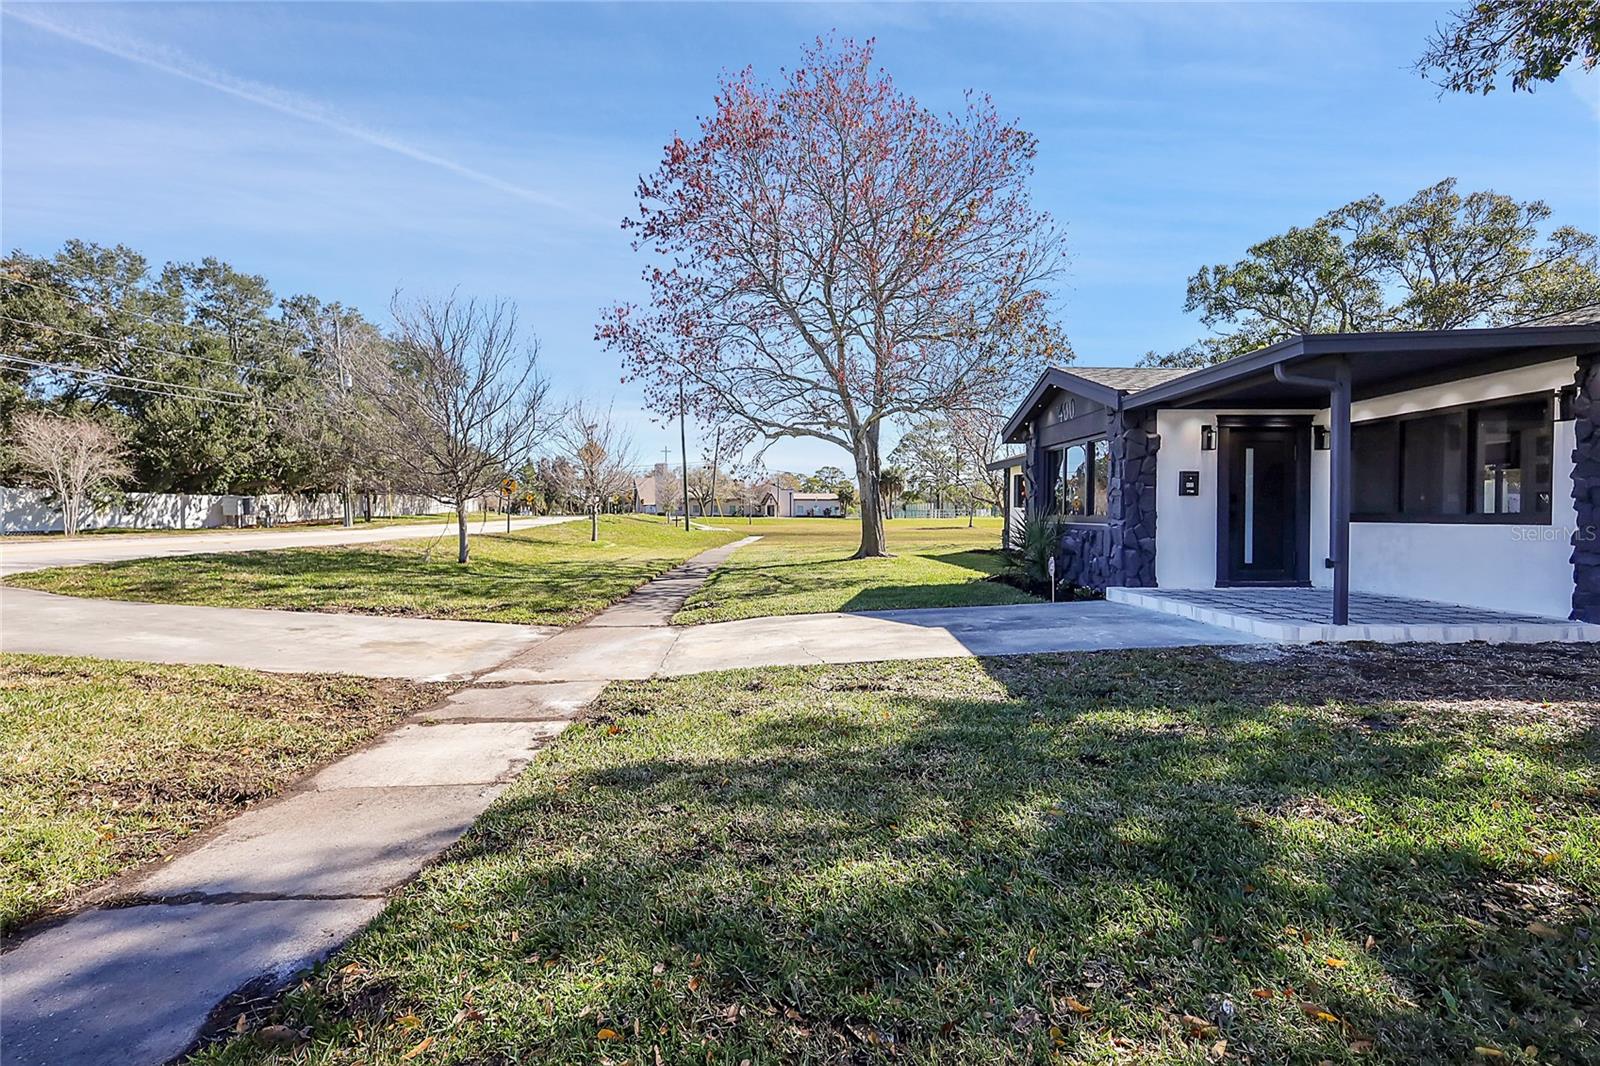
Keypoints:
(1508, 567)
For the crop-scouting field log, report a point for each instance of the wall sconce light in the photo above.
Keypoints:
(1564, 398)
(1319, 438)
(1208, 438)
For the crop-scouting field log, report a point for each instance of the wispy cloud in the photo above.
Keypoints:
(179, 65)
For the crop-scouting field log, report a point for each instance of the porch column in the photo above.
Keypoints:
(1339, 490)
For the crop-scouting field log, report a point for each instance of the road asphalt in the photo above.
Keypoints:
(17, 556)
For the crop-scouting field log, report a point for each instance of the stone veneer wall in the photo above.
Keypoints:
(1122, 550)
(1134, 443)
(1586, 491)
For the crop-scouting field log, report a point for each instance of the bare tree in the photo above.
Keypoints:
(75, 458)
(829, 256)
(978, 434)
(669, 490)
(461, 400)
(703, 489)
(601, 452)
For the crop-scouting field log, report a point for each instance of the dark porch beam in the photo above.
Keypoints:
(1338, 388)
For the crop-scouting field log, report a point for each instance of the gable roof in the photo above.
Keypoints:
(1578, 316)
(1127, 379)
(1102, 384)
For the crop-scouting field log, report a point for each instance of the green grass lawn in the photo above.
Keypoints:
(803, 566)
(106, 765)
(550, 575)
(1354, 856)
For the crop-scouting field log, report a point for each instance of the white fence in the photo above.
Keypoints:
(29, 511)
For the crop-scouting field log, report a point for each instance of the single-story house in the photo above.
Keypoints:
(816, 505)
(1457, 466)
(779, 502)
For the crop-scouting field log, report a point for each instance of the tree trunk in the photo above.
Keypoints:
(594, 523)
(873, 544)
(461, 532)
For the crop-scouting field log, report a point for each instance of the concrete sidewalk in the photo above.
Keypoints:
(421, 649)
(133, 981)
(16, 557)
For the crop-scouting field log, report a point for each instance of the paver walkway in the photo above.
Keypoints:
(18, 556)
(134, 980)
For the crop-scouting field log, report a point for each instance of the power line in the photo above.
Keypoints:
(95, 305)
(198, 392)
(163, 351)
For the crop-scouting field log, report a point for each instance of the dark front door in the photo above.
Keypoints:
(1264, 530)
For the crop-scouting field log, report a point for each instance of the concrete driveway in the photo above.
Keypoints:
(421, 649)
(16, 557)
(605, 650)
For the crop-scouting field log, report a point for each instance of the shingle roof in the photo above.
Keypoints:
(1578, 316)
(1127, 378)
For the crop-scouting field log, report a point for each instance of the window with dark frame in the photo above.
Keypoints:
(1079, 475)
(1482, 462)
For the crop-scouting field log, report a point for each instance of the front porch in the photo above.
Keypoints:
(1301, 615)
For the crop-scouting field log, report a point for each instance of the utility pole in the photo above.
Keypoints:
(683, 442)
(344, 389)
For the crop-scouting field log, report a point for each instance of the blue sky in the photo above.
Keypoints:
(349, 150)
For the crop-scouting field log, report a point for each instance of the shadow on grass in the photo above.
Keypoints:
(1006, 860)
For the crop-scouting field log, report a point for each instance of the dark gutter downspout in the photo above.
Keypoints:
(1338, 559)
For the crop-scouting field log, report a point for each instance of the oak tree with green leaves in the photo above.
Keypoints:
(1440, 260)
(1529, 41)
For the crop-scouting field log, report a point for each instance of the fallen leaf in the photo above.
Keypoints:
(1033, 955)
(1490, 1052)
(408, 1021)
(280, 1035)
(1320, 1013)
(608, 1034)
(1361, 1045)
(1198, 1026)
(1219, 1050)
(694, 983)
(353, 968)
(1262, 993)
(1076, 1007)
(1336, 962)
(614, 730)
(1548, 932)
(427, 1042)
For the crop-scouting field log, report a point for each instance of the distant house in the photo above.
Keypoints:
(816, 505)
(779, 502)
(647, 492)
(1457, 466)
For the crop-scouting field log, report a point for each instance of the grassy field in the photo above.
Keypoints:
(106, 765)
(548, 575)
(1351, 856)
(803, 566)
